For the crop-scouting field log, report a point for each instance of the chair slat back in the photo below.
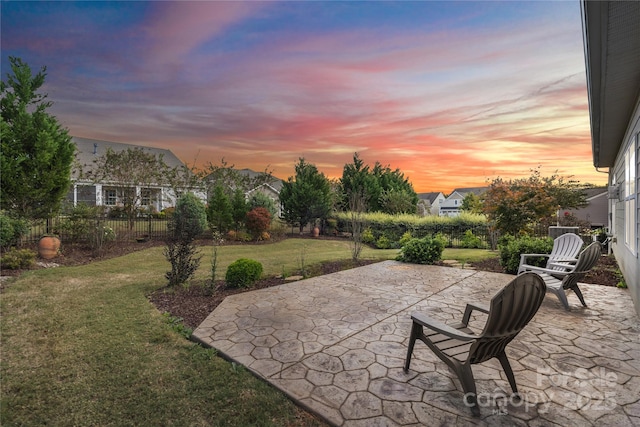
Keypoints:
(510, 311)
(565, 247)
(586, 261)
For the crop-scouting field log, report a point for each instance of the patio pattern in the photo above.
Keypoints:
(336, 345)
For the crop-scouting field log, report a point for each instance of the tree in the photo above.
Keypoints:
(232, 179)
(471, 203)
(220, 211)
(382, 189)
(357, 180)
(515, 205)
(37, 153)
(261, 200)
(239, 208)
(396, 192)
(398, 201)
(128, 170)
(306, 197)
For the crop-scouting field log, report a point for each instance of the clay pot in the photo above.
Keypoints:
(316, 232)
(48, 247)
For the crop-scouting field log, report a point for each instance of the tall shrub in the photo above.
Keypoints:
(258, 221)
(187, 223)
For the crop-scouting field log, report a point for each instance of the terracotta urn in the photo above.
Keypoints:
(48, 247)
(316, 232)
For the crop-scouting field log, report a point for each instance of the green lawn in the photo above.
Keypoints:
(83, 346)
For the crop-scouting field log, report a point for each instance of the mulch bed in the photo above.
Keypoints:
(603, 273)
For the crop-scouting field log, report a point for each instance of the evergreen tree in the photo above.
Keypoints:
(220, 211)
(37, 153)
(306, 197)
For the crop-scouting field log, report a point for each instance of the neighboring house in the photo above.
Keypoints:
(451, 206)
(597, 210)
(429, 203)
(271, 189)
(612, 49)
(155, 197)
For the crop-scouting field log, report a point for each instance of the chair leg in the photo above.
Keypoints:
(465, 375)
(506, 366)
(416, 330)
(576, 289)
(562, 297)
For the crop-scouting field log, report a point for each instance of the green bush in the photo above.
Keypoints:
(405, 238)
(383, 243)
(511, 248)
(471, 241)
(11, 230)
(367, 236)
(243, 273)
(426, 250)
(18, 259)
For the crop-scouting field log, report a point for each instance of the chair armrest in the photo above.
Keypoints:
(525, 267)
(470, 307)
(440, 327)
(524, 256)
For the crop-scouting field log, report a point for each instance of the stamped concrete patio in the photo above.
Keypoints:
(336, 345)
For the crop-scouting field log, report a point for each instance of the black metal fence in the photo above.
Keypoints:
(84, 229)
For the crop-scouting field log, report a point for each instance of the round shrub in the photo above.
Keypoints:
(243, 273)
(422, 251)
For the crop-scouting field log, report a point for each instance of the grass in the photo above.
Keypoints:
(83, 346)
(468, 255)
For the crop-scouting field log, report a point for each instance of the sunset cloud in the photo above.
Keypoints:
(452, 93)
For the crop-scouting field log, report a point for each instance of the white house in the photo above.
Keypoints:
(451, 206)
(154, 196)
(611, 33)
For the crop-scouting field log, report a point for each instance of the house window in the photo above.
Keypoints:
(145, 197)
(110, 197)
(630, 196)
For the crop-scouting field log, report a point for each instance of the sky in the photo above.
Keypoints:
(454, 94)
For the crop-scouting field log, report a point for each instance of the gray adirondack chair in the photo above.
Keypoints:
(569, 282)
(560, 261)
(508, 313)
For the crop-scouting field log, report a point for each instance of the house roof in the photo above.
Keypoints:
(90, 149)
(431, 197)
(475, 190)
(592, 193)
(611, 33)
(275, 184)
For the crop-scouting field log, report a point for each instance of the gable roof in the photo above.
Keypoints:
(475, 190)
(431, 197)
(90, 149)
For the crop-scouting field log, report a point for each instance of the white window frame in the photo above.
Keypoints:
(630, 196)
(110, 200)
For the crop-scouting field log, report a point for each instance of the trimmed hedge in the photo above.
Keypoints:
(392, 228)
